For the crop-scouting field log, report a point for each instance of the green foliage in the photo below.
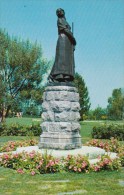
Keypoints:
(113, 145)
(13, 145)
(83, 93)
(20, 130)
(36, 163)
(106, 163)
(31, 111)
(121, 156)
(21, 72)
(33, 163)
(107, 131)
(97, 114)
(76, 164)
(116, 105)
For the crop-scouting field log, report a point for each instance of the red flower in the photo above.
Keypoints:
(33, 172)
(20, 171)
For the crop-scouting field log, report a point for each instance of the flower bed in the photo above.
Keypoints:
(35, 163)
(13, 145)
(30, 163)
(76, 164)
(106, 163)
(113, 145)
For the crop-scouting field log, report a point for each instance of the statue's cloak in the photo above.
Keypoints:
(64, 67)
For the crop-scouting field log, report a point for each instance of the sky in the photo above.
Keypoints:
(98, 29)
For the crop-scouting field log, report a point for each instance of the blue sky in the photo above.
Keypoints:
(98, 29)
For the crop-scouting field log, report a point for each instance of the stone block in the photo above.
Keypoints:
(73, 97)
(50, 127)
(65, 126)
(48, 116)
(74, 116)
(60, 106)
(60, 127)
(75, 127)
(53, 127)
(45, 106)
(45, 127)
(61, 88)
(62, 116)
(60, 141)
(75, 106)
(61, 96)
(52, 96)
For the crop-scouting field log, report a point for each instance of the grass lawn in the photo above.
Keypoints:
(102, 183)
(23, 120)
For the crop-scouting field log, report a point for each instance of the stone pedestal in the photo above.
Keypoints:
(60, 127)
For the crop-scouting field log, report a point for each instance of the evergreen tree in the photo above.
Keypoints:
(83, 93)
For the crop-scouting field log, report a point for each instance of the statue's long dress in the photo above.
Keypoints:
(63, 68)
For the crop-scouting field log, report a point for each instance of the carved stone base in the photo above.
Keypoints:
(60, 129)
(60, 141)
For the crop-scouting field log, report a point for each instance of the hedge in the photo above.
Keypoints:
(108, 131)
(20, 130)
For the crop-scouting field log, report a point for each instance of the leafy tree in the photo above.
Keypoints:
(100, 113)
(21, 71)
(83, 93)
(116, 105)
(91, 115)
(97, 114)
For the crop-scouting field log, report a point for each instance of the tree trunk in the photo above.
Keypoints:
(5, 112)
(3, 115)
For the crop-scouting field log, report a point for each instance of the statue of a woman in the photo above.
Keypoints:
(63, 68)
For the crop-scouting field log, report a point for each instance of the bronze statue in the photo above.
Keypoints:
(64, 68)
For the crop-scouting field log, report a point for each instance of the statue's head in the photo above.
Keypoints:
(60, 12)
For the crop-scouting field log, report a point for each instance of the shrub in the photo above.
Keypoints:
(108, 131)
(106, 163)
(35, 129)
(12, 145)
(20, 130)
(76, 164)
(30, 163)
(113, 145)
(35, 163)
(121, 155)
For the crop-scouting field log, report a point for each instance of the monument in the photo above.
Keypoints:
(60, 127)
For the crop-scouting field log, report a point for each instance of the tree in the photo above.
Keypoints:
(100, 113)
(116, 105)
(83, 93)
(21, 71)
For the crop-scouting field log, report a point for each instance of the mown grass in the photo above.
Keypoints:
(102, 183)
(108, 183)
(23, 121)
